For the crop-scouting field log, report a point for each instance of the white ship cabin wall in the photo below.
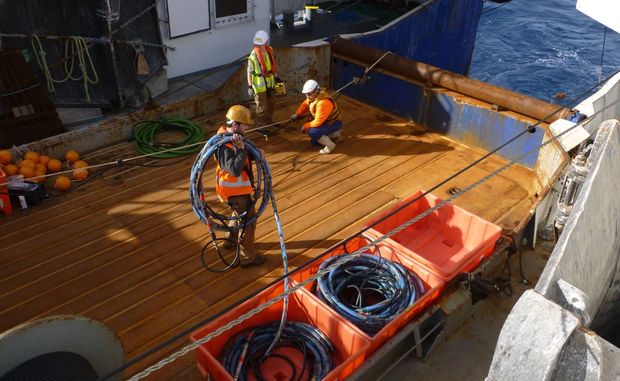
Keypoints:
(209, 33)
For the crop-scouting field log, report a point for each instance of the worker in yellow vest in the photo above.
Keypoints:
(234, 182)
(262, 76)
(324, 126)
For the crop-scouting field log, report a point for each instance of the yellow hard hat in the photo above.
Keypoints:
(240, 114)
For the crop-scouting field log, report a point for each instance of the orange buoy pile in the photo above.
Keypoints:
(33, 166)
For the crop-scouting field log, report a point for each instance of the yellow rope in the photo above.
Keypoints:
(75, 47)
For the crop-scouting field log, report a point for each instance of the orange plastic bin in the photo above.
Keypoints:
(448, 241)
(433, 285)
(350, 344)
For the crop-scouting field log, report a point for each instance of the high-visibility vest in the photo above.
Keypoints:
(228, 185)
(333, 116)
(265, 67)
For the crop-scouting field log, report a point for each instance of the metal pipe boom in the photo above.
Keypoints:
(420, 72)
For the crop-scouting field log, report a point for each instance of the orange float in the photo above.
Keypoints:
(62, 183)
(72, 156)
(80, 164)
(27, 172)
(32, 156)
(44, 159)
(6, 157)
(54, 165)
(11, 169)
(80, 174)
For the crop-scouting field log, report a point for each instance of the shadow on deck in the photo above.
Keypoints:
(124, 248)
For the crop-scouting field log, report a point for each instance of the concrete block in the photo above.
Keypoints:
(587, 357)
(531, 340)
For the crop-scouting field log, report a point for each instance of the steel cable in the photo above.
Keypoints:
(190, 347)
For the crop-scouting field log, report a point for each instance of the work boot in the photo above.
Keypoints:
(336, 136)
(328, 143)
(259, 260)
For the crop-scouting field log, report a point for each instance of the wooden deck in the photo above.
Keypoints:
(124, 248)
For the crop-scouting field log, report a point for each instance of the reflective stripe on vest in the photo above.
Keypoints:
(239, 182)
(333, 116)
(228, 185)
(260, 82)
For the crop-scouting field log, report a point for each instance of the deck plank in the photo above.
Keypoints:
(124, 247)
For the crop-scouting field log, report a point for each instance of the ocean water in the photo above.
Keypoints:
(542, 48)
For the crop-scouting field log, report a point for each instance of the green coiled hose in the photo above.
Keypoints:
(146, 134)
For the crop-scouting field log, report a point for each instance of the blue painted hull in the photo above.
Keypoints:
(441, 34)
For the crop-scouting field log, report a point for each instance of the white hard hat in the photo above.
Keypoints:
(310, 86)
(261, 38)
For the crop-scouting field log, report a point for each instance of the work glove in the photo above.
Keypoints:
(294, 117)
(250, 91)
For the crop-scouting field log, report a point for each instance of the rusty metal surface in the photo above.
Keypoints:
(298, 64)
(118, 129)
(427, 74)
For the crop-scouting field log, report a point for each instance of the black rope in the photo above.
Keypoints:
(515, 248)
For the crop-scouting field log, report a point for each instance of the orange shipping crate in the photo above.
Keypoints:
(350, 344)
(449, 241)
(433, 285)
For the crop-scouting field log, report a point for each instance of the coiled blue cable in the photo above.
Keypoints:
(247, 350)
(369, 290)
(262, 190)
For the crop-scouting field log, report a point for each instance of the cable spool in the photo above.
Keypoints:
(60, 347)
(246, 351)
(369, 290)
(146, 134)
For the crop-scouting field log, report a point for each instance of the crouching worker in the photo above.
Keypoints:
(234, 185)
(324, 127)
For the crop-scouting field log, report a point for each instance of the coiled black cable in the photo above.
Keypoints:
(369, 291)
(245, 351)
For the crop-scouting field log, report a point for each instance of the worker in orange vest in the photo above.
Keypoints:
(234, 183)
(262, 75)
(324, 127)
